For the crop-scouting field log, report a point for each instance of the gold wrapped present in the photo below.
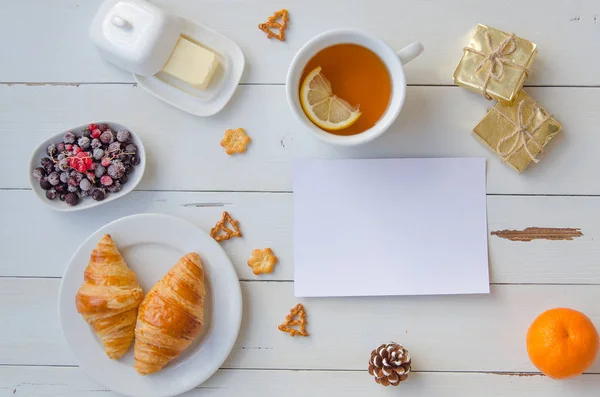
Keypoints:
(495, 64)
(517, 133)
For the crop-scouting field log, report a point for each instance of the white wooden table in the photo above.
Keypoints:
(52, 79)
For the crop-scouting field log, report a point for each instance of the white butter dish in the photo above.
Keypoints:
(139, 36)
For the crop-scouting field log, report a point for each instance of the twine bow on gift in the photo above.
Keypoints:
(522, 132)
(497, 58)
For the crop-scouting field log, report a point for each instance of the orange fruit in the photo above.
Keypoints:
(562, 343)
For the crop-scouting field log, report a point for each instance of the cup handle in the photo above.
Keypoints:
(410, 52)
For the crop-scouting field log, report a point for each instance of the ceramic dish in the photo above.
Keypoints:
(225, 81)
(151, 244)
(134, 178)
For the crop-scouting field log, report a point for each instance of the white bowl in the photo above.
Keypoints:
(85, 202)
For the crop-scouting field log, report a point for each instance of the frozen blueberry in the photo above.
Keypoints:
(98, 154)
(63, 165)
(86, 133)
(96, 143)
(123, 136)
(78, 176)
(72, 199)
(86, 193)
(51, 194)
(84, 142)
(62, 188)
(116, 169)
(39, 173)
(70, 137)
(60, 147)
(61, 156)
(64, 176)
(44, 184)
(124, 179)
(72, 189)
(103, 127)
(85, 185)
(128, 169)
(114, 147)
(131, 148)
(107, 137)
(115, 187)
(48, 165)
(134, 160)
(99, 170)
(51, 150)
(98, 194)
(54, 178)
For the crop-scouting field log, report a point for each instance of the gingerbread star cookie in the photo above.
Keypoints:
(235, 141)
(276, 23)
(297, 316)
(222, 232)
(262, 261)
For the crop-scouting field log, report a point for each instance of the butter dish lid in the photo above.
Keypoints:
(135, 35)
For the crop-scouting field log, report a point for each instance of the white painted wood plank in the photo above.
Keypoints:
(483, 333)
(184, 151)
(72, 382)
(54, 45)
(266, 221)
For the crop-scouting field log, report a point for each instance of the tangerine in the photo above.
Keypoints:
(562, 343)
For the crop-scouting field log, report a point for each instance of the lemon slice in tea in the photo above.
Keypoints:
(322, 107)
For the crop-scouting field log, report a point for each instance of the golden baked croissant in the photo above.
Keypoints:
(109, 298)
(170, 316)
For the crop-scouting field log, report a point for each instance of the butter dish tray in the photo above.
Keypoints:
(145, 39)
(224, 83)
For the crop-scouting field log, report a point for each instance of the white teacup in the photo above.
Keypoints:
(393, 60)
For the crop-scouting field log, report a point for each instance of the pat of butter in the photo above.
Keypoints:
(192, 64)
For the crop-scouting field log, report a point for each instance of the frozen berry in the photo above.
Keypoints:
(71, 199)
(72, 189)
(96, 133)
(77, 149)
(85, 184)
(92, 126)
(99, 170)
(96, 144)
(115, 187)
(103, 127)
(54, 178)
(70, 137)
(51, 150)
(57, 168)
(134, 160)
(39, 173)
(98, 194)
(98, 153)
(128, 169)
(68, 147)
(90, 175)
(60, 147)
(116, 170)
(105, 162)
(131, 148)
(49, 167)
(64, 177)
(106, 180)
(84, 142)
(86, 193)
(62, 188)
(123, 136)
(114, 147)
(107, 137)
(44, 161)
(60, 157)
(62, 196)
(124, 179)
(63, 164)
(51, 194)
(78, 176)
(44, 184)
(86, 133)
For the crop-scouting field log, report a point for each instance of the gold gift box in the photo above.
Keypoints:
(495, 64)
(517, 133)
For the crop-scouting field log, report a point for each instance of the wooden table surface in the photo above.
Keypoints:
(52, 79)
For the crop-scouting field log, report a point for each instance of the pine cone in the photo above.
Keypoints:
(389, 364)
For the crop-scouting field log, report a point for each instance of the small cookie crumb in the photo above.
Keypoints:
(262, 261)
(221, 227)
(235, 141)
(297, 311)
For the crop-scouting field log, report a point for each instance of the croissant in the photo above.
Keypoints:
(109, 298)
(170, 316)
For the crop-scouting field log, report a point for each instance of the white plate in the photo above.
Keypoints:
(151, 244)
(225, 81)
(85, 202)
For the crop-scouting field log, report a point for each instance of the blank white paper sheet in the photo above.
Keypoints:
(390, 227)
